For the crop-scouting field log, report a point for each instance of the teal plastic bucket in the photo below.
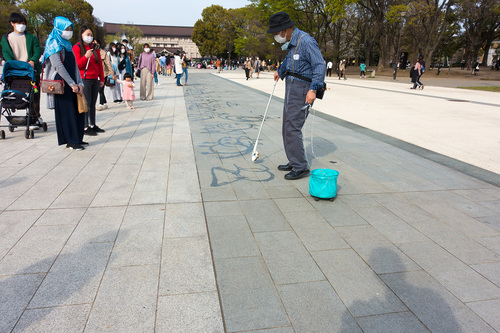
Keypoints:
(323, 183)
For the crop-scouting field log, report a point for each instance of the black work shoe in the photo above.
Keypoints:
(89, 131)
(97, 129)
(74, 146)
(285, 167)
(297, 174)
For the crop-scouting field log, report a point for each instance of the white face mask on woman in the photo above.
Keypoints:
(20, 27)
(67, 34)
(114, 49)
(147, 49)
(88, 39)
(123, 50)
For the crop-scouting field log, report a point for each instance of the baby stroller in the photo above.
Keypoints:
(19, 79)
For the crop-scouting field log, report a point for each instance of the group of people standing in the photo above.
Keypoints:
(84, 68)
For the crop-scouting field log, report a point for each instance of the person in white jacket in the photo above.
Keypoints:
(178, 67)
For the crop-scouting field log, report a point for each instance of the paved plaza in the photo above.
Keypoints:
(164, 224)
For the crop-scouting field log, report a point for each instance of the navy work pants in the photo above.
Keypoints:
(294, 117)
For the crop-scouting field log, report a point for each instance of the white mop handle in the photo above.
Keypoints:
(263, 119)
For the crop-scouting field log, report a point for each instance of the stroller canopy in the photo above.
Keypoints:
(19, 69)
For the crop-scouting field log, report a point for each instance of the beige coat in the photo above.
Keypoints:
(106, 64)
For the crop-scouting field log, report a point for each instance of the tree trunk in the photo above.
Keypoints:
(486, 52)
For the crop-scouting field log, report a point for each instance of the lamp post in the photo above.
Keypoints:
(398, 56)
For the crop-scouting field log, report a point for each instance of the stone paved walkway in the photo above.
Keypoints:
(165, 225)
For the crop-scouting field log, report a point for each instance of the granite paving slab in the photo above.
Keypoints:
(200, 312)
(315, 307)
(164, 223)
(248, 295)
(435, 306)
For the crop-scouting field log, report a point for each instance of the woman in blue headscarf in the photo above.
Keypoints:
(60, 64)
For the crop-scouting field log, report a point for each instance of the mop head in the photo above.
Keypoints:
(255, 156)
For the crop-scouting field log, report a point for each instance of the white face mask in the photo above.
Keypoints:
(147, 50)
(114, 49)
(122, 50)
(88, 39)
(67, 34)
(20, 27)
(279, 39)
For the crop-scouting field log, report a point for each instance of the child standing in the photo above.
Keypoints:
(128, 90)
(362, 68)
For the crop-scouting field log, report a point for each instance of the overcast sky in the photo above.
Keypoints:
(157, 12)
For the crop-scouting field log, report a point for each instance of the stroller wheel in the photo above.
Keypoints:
(2, 134)
(11, 128)
(316, 198)
(29, 134)
(44, 127)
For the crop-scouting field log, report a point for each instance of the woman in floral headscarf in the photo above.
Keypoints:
(60, 63)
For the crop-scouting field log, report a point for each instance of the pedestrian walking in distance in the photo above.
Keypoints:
(329, 67)
(303, 61)
(416, 73)
(342, 69)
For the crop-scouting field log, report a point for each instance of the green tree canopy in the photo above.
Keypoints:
(41, 14)
(208, 33)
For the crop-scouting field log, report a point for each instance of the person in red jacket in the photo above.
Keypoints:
(90, 66)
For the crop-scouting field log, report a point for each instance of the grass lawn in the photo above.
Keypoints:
(494, 89)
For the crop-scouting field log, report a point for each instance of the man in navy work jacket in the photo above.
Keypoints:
(304, 72)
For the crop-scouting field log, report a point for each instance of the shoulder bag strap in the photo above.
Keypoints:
(296, 48)
(43, 66)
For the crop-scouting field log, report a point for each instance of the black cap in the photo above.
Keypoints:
(279, 22)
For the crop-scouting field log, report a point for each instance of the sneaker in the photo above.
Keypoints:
(34, 127)
(74, 146)
(97, 129)
(99, 107)
(89, 131)
(83, 143)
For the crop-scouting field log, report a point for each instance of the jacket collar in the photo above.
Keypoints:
(295, 38)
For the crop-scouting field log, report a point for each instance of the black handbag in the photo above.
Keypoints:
(321, 92)
(138, 73)
(121, 65)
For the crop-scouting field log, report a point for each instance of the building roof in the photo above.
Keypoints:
(152, 30)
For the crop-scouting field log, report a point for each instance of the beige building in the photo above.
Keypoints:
(163, 38)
